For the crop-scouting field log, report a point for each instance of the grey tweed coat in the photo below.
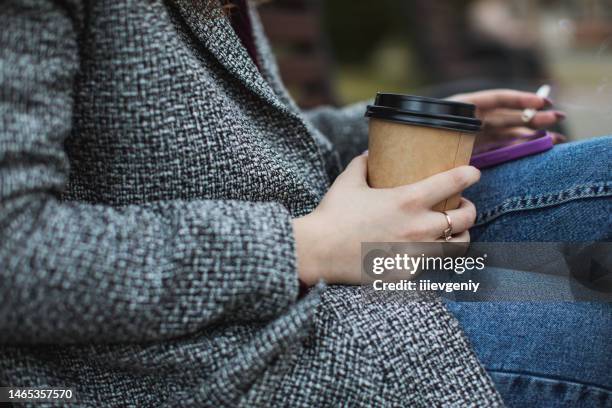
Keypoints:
(149, 173)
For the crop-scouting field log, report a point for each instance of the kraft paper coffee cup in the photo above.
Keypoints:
(412, 138)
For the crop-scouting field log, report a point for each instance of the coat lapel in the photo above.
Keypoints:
(215, 32)
(267, 62)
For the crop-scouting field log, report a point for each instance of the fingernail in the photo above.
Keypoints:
(560, 115)
(559, 138)
(548, 102)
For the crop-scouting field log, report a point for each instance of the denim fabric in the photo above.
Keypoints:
(545, 354)
(560, 195)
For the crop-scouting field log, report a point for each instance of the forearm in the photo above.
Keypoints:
(346, 128)
(77, 272)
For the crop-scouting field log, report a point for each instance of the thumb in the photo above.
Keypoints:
(357, 170)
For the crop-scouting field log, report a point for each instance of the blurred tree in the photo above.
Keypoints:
(356, 28)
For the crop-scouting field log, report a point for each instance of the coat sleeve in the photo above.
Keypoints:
(73, 272)
(346, 128)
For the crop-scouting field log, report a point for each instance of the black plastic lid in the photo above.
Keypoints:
(421, 111)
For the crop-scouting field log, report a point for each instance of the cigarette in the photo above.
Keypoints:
(542, 92)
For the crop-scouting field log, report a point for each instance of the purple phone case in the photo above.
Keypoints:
(509, 153)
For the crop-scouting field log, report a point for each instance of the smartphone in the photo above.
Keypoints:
(542, 142)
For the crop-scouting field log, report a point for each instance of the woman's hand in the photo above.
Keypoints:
(328, 240)
(501, 113)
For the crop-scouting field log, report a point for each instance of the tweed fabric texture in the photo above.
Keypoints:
(149, 173)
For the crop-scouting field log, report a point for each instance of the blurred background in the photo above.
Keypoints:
(342, 51)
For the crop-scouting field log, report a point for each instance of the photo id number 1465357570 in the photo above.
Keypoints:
(28, 394)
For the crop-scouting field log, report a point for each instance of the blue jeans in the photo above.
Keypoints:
(545, 354)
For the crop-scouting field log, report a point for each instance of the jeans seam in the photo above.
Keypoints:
(550, 378)
(532, 202)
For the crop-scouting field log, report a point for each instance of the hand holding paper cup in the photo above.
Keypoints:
(412, 138)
